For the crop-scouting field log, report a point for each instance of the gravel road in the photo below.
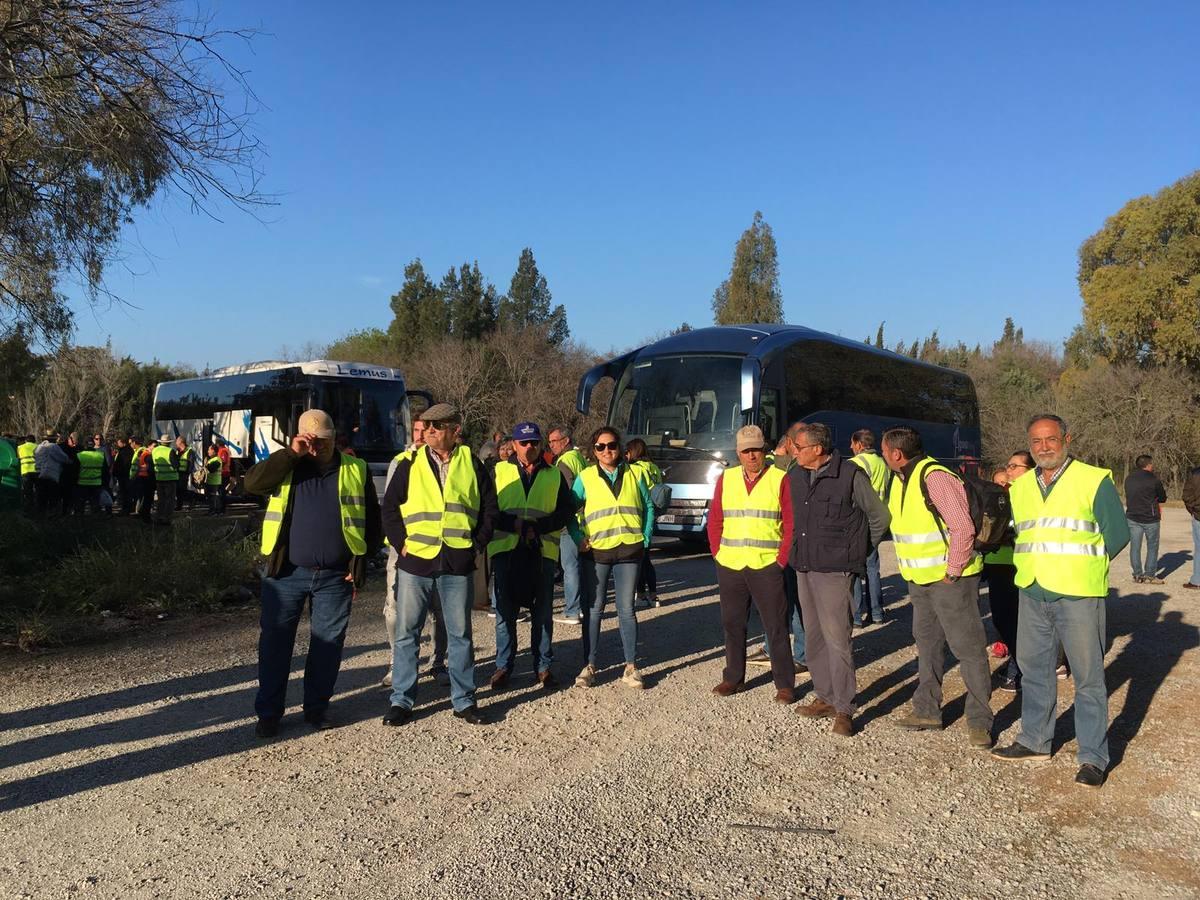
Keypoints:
(130, 770)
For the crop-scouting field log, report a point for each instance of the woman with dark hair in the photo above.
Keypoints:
(999, 572)
(613, 534)
(643, 466)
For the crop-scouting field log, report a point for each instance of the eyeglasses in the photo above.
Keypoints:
(611, 445)
(805, 447)
(1017, 466)
(526, 443)
(558, 440)
(439, 426)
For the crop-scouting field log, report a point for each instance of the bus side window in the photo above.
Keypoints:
(768, 413)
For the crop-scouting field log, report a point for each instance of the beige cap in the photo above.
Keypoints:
(441, 412)
(315, 422)
(750, 436)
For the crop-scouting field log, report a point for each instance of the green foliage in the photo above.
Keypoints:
(58, 576)
(471, 302)
(1139, 277)
(19, 366)
(419, 313)
(527, 303)
(752, 292)
(369, 345)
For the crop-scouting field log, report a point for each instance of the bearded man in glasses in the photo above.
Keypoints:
(535, 505)
(438, 512)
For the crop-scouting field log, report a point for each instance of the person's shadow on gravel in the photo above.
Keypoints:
(1168, 563)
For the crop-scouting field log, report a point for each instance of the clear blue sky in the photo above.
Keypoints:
(935, 165)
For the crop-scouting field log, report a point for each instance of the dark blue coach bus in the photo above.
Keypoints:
(686, 396)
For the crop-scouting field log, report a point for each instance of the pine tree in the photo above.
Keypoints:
(419, 313)
(471, 303)
(752, 292)
(528, 302)
(879, 336)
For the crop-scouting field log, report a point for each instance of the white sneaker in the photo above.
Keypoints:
(633, 678)
(569, 620)
(491, 613)
(655, 601)
(386, 680)
(586, 678)
(524, 616)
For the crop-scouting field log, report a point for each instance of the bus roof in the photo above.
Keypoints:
(333, 367)
(762, 341)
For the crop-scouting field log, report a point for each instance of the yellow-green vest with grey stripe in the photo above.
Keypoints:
(352, 500)
(611, 521)
(436, 514)
(751, 521)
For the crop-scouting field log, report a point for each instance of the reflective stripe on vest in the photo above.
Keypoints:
(752, 526)
(352, 505)
(163, 470)
(1059, 543)
(610, 522)
(510, 495)
(91, 463)
(920, 547)
(436, 514)
(25, 455)
(872, 463)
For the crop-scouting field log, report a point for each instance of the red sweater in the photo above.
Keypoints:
(716, 516)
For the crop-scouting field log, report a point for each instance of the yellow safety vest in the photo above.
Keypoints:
(352, 501)
(1059, 543)
(920, 546)
(437, 514)
(510, 496)
(91, 462)
(163, 470)
(213, 466)
(185, 462)
(872, 463)
(648, 472)
(752, 521)
(1001, 556)
(608, 521)
(25, 455)
(574, 460)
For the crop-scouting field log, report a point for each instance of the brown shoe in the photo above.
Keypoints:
(499, 680)
(546, 680)
(817, 709)
(843, 725)
(725, 688)
(785, 696)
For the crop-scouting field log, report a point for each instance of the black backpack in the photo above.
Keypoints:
(991, 513)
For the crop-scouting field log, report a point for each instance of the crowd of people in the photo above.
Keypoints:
(65, 475)
(794, 535)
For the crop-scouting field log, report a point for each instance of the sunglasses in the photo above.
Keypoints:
(611, 445)
(526, 443)
(438, 426)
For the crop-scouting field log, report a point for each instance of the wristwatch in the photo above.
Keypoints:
(953, 578)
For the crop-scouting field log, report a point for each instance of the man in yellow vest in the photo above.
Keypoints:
(570, 461)
(438, 513)
(92, 474)
(935, 548)
(320, 528)
(185, 465)
(748, 521)
(166, 478)
(862, 446)
(25, 451)
(535, 505)
(1070, 523)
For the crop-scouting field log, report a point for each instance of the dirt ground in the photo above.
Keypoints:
(129, 769)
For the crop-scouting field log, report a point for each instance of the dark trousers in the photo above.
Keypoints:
(143, 490)
(1004, 599)
(29, 501)
(283, 602)
(125, 495)
(764, 587)
(825, 599)
(949, 614)
(49, 501)
(86, 495)
(647, 580)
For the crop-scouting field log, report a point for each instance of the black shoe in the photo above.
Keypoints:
(320, 721)
(1011, 685)
(1015, 752)
(1089, 775)
(470, 715)
(397, 715)
(266, 728)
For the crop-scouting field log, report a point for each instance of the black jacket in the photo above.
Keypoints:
(1143, 493)
(829, 531)
(263, 478)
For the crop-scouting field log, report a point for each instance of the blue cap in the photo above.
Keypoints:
(527, 431)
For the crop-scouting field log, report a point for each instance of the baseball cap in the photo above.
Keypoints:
(315, 422)
(750, 436)
(526, 431)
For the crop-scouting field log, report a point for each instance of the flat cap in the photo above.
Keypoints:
(441, 412)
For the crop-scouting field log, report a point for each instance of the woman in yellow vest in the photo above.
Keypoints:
(212, 480)
(617, 523)
(651, 474)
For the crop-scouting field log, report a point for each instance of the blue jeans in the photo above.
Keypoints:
(508, 607)
(874, 590)
(594, 580)
(1079, 626)
(569, 553)
(1149, 531)
(1195, 579)
(283, 601)
(414, 594)
(795, 622)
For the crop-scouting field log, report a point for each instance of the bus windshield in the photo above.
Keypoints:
(685, 400)
(369, 413)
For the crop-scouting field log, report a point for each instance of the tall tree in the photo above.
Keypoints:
(103, 105)
(528, 302)
(471, 302)
(1139, 276)
(419, 313)
(751, 293)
